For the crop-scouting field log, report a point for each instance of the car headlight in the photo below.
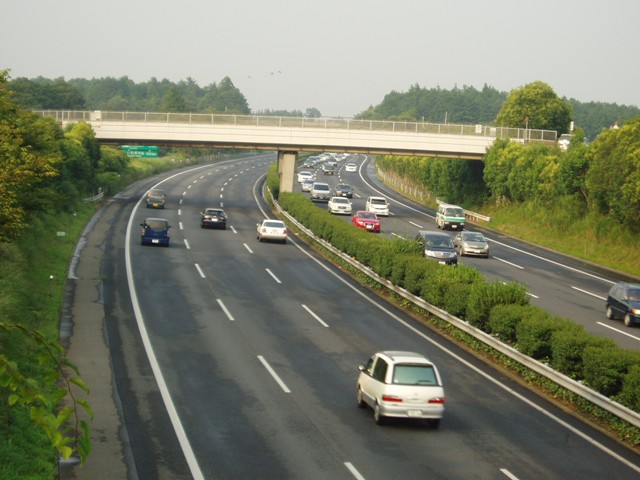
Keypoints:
(635, 311)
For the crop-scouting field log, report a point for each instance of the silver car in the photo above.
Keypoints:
(471, 243)
(401, 384)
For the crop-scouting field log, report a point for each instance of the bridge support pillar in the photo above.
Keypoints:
(286, 170)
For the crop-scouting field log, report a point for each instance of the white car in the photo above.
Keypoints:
(350, 167)
(339, 205)
(401, 384)
(377, 205)
(270, 229)
(304, 175)
(307, 184)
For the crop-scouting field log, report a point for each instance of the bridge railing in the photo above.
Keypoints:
(303, 122)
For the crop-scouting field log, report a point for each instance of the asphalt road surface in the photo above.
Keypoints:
(222, 357)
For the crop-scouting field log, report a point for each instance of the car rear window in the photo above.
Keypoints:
(378, 201)
(156, 224)
(321, 186)
(414, 375)
(274, 224)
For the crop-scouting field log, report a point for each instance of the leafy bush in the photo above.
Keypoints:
(605, 366)
(567, 346)
(449, 288)
(504, 319)
(630, 394)
(486, 295)
(533, 335)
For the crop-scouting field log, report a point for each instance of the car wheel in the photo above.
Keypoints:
(627, 319)
(609, 312)
(359, 400)
(377, 416)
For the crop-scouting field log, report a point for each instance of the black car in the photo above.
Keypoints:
(623, 302)
(213, 217)
(155, 231)
(438, 246)
(343, 190)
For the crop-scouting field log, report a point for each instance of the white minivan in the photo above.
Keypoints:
(377, 205)
(450, 217)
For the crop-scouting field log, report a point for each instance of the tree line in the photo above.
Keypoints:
(601, 177)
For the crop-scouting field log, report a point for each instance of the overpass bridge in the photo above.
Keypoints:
(290, 135)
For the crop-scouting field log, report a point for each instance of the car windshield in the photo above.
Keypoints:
(439, 242)
(414, 375)
(473, 237)
(156, 224)
(454, 212)
(368, 215)
(634, 294)
(273, 224)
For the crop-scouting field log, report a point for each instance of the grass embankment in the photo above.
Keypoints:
(590, 237)
(32, 275)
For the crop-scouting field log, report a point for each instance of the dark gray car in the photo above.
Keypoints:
(623, 302)
(438, 246)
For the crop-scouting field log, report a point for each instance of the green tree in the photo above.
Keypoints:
(173, 101)
(535, 105)
(613, 177)
(21, 167)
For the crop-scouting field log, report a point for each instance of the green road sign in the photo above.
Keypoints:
(142, 151)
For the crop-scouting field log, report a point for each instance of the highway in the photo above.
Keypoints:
(235, 359)
(564, 286)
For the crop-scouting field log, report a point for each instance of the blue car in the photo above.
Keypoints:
(155, 231)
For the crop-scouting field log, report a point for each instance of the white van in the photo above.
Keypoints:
(377, 205)
(450, 217)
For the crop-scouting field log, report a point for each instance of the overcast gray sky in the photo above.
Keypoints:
(339, 56)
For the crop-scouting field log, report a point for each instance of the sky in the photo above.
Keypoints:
(338, 56)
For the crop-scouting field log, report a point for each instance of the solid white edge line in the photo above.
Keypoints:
(225, 310)
(353, 471)
(314, 315)
(274, 374)
(416, 225)
(273, 275)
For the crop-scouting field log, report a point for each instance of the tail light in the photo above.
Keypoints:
(391, 398)
(437, 400)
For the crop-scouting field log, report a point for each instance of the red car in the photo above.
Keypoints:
(367, 220)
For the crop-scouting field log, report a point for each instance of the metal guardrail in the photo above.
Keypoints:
(522, 134)
(95, 198)
(595, 398)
